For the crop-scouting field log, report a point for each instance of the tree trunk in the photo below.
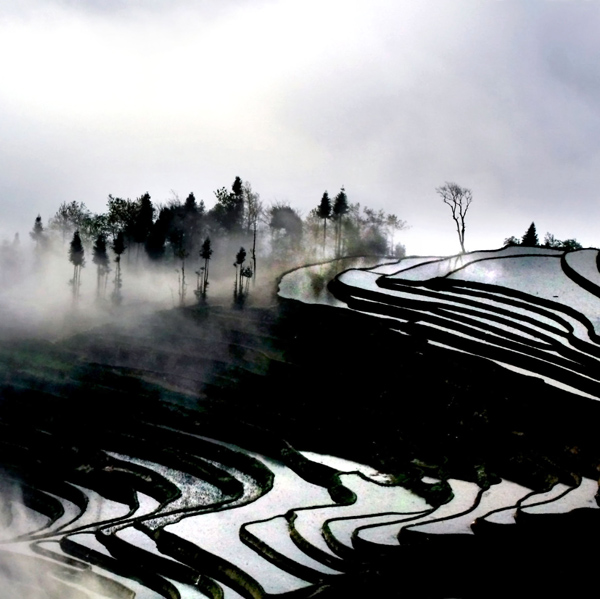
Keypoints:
(205, 282)
(254, 256)
(182, 295)
(75, 283)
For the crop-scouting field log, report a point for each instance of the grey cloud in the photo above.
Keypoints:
(498, 96)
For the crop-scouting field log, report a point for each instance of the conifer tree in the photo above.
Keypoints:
(530, 239)
(100, 259)
(340, 208)
(155, 242)
(191, 224)
(246, 272)
(228, 212)
(205, 254)
(37, 233)
(324, 212)
(77, 258)
(144, 219)
(118, 247)
(240, 258)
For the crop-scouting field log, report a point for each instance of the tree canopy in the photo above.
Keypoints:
(174, 230)
(76, 251)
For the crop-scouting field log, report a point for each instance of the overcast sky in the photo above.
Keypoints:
(389, 98)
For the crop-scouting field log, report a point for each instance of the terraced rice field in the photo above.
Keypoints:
(451, 430)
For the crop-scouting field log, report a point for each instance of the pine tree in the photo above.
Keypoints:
(340, 208)
(155, 242)
(246, 272)
(101, 260)
(530, 239)
(240, 258)
(205, 254)
(37, 234)
(228, 212)
(237, 187)
(76, 257)
(118, 247)
(144, 219)
(191, 223)
(324, 212)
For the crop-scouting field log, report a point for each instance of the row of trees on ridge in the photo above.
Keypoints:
(530, 239)
(175, 232)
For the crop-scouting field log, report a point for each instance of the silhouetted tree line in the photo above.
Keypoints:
(530, 239)
(238, 226)
(354, 231)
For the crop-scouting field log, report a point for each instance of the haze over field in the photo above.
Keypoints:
(389, 98)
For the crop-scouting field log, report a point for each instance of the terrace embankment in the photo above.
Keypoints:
(287, 377)
(326, 380)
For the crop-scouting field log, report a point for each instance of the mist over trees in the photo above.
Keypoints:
(139, 236)
(240, 258)
(202, 284)
(71, 217)
(118, 247)
(102, 261)
(339, 210)
(254, 212)
(286, 230)
(77, 258)
(324, 213)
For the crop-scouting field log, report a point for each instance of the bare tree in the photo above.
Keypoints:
(459, 199)
(254, 211)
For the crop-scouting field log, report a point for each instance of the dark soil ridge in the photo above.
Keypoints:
(423, 410)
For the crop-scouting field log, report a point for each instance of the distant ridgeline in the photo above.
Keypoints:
(401, 431)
